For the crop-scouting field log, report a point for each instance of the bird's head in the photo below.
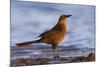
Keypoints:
(65, 16)
(62, 19)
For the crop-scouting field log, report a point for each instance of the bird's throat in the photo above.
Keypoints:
(62, 23)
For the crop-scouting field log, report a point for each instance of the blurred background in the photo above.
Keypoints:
(29, 19)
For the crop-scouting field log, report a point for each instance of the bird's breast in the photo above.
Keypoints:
(58, 34)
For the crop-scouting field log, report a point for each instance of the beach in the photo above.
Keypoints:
(39, 55)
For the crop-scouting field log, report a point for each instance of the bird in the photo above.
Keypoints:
(53, 36)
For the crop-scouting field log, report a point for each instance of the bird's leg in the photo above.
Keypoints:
(55, 50)
(56, 55)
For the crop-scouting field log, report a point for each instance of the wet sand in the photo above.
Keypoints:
(27, 56)
(41, 61)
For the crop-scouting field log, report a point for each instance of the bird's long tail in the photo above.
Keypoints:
(26, 43)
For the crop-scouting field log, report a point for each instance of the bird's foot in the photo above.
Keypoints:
(57, 56)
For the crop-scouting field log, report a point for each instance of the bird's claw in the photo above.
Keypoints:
(56, 57)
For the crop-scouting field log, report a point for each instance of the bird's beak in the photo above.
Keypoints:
(68, 15)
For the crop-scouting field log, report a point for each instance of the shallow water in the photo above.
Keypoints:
(44, 51)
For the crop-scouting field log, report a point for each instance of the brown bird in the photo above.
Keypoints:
(53, 36)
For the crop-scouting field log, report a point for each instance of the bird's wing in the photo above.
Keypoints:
(43, 34)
